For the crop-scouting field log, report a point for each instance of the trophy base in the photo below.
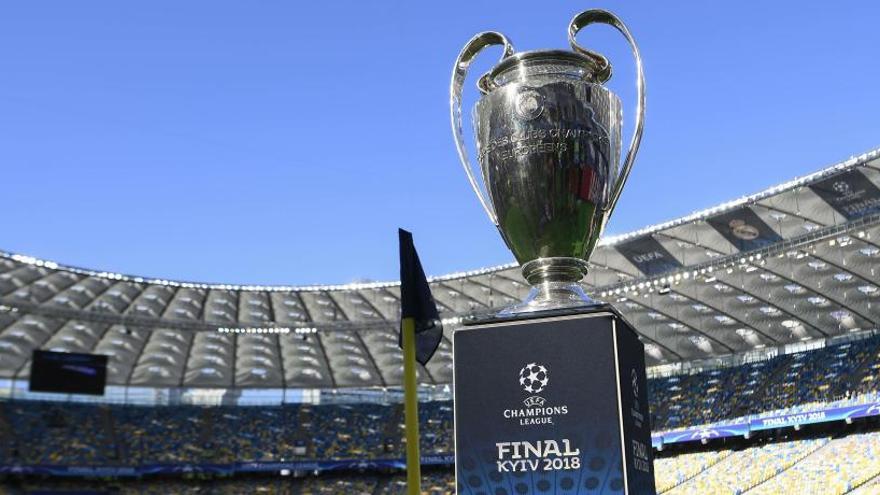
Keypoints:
(550, 296)
(590, 399)
(554, 286)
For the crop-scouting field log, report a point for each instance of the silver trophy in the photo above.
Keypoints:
(549, 144)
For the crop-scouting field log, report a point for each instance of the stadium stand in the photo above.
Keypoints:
(836, 468)
(780, 316)
(434, 483)
(788, 381)
(106, 434)
(673, 471)
(745, 469)
(789, 264)
(58, 433)
(825, 375)
(346, 484)
(871, 487)
(846, 465)
(80, 433)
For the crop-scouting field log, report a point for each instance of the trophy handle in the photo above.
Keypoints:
(581, 21)
(459, 73)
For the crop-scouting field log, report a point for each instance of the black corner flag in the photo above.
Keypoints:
(416, 301)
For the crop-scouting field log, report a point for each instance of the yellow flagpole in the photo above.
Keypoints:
(411, 409)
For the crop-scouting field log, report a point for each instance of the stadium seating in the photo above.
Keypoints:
(433, 483)
(871, 487)
(709, 396)
(833, 469)
(75, 434)
(157, 435)
(815, 467)
(359, 430)
(58, 433)
(870, 381)
(71, 433)
(261, 433)
(788, 381)
(670, 472)
(81, 434)
(436, 421)
(744, 469)
(348, 484)
(341, 486)
(821, 375)
(821, 466)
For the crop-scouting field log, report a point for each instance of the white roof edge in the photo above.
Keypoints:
(849, 163)
(30, 260)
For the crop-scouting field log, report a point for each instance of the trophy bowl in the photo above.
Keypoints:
(548, 137)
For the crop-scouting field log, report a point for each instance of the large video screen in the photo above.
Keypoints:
(68, 373)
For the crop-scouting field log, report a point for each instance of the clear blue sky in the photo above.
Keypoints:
(284, 142)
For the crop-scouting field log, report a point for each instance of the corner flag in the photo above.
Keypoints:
(420, 334)
(416, 301)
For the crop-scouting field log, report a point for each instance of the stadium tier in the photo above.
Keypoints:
(811, 377)
(793, 263)
(65, 433)
(757, 315)
(872, 487)
(840, 465)
(747, 468)
(348, 484)
(673, 471)
(75, 436)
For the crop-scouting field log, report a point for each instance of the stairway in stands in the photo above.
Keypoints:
(781, 472)
(112, 445)
(205, 441)
(296, 487)
(7, 444)
(759, 396)
(394, 429)
(864, 369)
(383, 487)
(692, 475)
(303, 426)
(658, 415)
(868, 487)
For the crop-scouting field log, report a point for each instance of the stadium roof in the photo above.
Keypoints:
(795, 262)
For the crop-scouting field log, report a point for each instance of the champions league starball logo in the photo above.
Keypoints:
(533, 378)
(705, 434)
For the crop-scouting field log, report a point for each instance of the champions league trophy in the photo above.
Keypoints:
(547, 398)
(548, 140)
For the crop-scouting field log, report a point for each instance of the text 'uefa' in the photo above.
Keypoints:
(542, 455)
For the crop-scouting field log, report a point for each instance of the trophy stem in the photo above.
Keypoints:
(555, 285)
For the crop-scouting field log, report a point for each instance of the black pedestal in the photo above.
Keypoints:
(554, 404)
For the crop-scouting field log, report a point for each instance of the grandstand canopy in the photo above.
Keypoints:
(793, 263)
